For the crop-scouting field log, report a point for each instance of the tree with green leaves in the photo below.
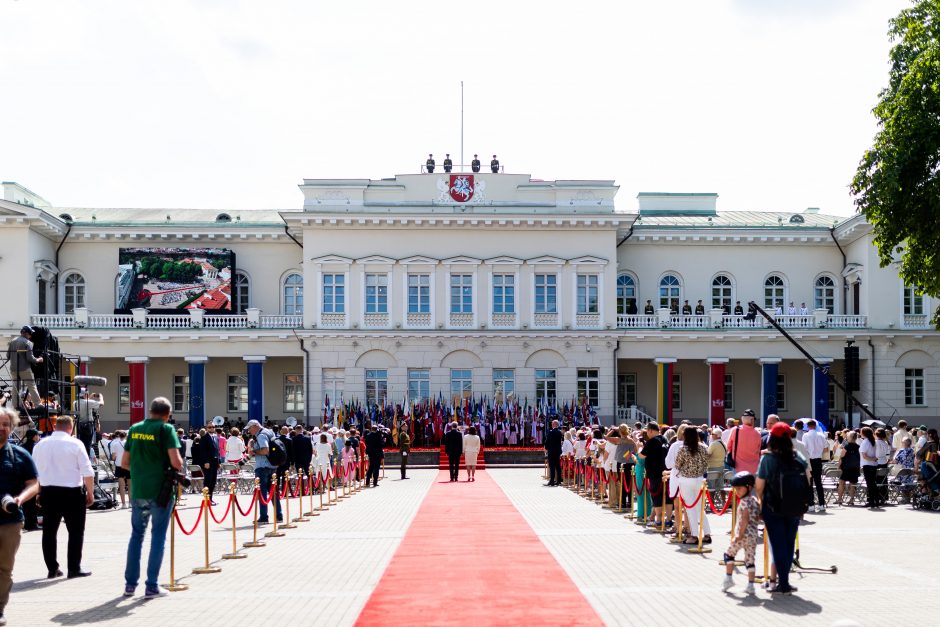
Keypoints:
(897, 185)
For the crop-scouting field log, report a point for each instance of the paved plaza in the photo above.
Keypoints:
(324, 571)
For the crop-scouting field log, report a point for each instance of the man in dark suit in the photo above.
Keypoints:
(302, 448)
(209, 458)
(453, 446)
(375, 443)
(553, 442)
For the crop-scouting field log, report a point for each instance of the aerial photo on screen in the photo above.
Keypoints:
(175, 278)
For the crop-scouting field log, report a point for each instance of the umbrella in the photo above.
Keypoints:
(873, 423)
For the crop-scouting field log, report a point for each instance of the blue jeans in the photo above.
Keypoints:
(264, 479)
(781, 532)
(142, 511)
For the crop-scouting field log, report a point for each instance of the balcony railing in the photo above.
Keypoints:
(916, 321)
(627, 321)
(165, 321)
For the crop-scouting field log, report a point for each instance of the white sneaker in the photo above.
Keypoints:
(750, 588)
(727, 584)
(816, 509)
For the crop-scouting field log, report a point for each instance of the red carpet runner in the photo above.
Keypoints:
(470, 558)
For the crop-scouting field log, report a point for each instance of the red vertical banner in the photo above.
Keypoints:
(138, 390)
(716, 394)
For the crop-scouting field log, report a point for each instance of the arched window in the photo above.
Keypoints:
(74, 292)
(825, 293)
(670, 292)
(774, 292)
(240, 293)
(626, 294)
(722, 292)
(293, 295)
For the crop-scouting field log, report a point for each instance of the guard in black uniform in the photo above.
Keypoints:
(648, 310)
(686, 309)
(475, 164)
(494, 165)
(429, 164)
(738, 309)
(448, 164)
(700, 309)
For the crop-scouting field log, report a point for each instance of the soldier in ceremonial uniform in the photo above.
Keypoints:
(494, 165)
(475, 164)
(700, 309)
(738, 309)
(448, 164)
(648, 309)
(803, 310)
(686, 309)
(429, 164)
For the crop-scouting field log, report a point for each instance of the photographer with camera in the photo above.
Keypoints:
(152, 454)
(18, 484)
(20, 354)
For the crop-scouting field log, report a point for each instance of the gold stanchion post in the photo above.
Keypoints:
(287, 521)
(254, 538)
(312, 511)
(274, 533)
(234, 555)
(174, 586)
(206, 569)
(662, 529)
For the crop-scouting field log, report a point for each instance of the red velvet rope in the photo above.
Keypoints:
(694, 503)
(254, 495)
(284, 488)
(712, 504)
(266, 501)
(296, 491)
(225, 515)
(179, 522)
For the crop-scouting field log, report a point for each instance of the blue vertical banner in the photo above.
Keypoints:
(821, 396)
(197, 394)
(768, 390)
(256, 391)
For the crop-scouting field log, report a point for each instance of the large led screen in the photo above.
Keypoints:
(170, 279)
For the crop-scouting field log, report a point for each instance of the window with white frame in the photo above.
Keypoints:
(461, 384)
(461, 293)
(504, 384)
(626, 395)
(293, 393)
(293, 295)
(334, 381)
(774, 292)
(237, 394)
(914, 387)
(376, 293)
(241, 291)
(124, 394)
(913, 302)
(545, 386)
(833, 396)
(588, 386)
(722, 292)
(504, 293)
(376, 387)
(74, 287)
(419, 293)
(729, 391)
(546, 287)
(587, 294)
(676, 391)
(626, 294)
(825, 294)
(181, 393)
(334, 293)
(670, 292)
(419, 385)
(781, 392)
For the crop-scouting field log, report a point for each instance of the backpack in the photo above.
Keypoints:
(102, 499)
(788, 490)
(277, 452)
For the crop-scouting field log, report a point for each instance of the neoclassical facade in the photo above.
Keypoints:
(385, 289)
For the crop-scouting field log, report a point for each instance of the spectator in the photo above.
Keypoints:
(815, 443)
(471, 449)
(869, 452)
(691, 462)
(654, 455)
(904, 458)
(745, 536)
(716, 455)
(234, 447)
(264, 469)
(744, 444)
(898, 438)
(123, 475)
(850, 467)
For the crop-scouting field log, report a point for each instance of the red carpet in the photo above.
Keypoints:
(481, 463)
(470, 558)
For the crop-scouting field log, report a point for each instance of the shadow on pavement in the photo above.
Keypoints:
(106, 611)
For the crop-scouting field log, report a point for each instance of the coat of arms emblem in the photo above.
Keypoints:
(461, 187)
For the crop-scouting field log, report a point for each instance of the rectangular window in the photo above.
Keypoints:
(419, 385)
(913, 302)
(181, 393)
(461, 384)
(419, 293)
(914, 387)
(626, 395)
(587, 386)
(461, 293)
(545, 386)
(729, 392)
(587, 294)
(504, 384)
(293, 393)
(504, 293)
(334, 380)
(781, 392)
(676, 391)
(124, 394)
(237, 392)
(334, 293)
(376, 293)
(546, 286)
(833, 396)
(376, 387)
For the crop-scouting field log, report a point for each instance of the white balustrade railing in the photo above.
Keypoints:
(110, 321)
(628, 321)
(847, 322)
(168, 321)
(282, 321)
(53, 321)
(796, 322)
(738, 322)
(916, 321)
(225, 322)
(689, 322)
(633, 414)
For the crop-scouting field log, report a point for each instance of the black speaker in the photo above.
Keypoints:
(852, 382)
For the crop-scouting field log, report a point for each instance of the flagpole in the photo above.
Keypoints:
(461, 126)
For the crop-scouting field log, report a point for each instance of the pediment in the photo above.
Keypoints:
(377, 259)
(338, 259)
(416, 259)
(546, 260)
(462, 259)
(504, 260)
(588, 259)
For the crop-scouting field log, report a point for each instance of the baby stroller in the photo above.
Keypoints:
(929, 498)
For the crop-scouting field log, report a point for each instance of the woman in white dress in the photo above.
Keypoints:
(234, 447)
(323, 451)
(471, 450)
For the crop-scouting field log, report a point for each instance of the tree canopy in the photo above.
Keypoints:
(897, 184)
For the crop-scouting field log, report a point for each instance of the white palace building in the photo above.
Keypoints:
(378, 289)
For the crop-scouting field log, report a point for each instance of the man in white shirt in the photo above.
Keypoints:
(66, 481)
(791, 310)
(899, 435)
(803, 310)
(726, 434)
(815, 442)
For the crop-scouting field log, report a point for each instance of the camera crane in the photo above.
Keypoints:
(753, 309)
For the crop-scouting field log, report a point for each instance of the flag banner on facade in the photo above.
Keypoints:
(716, 386)
(664, 393)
